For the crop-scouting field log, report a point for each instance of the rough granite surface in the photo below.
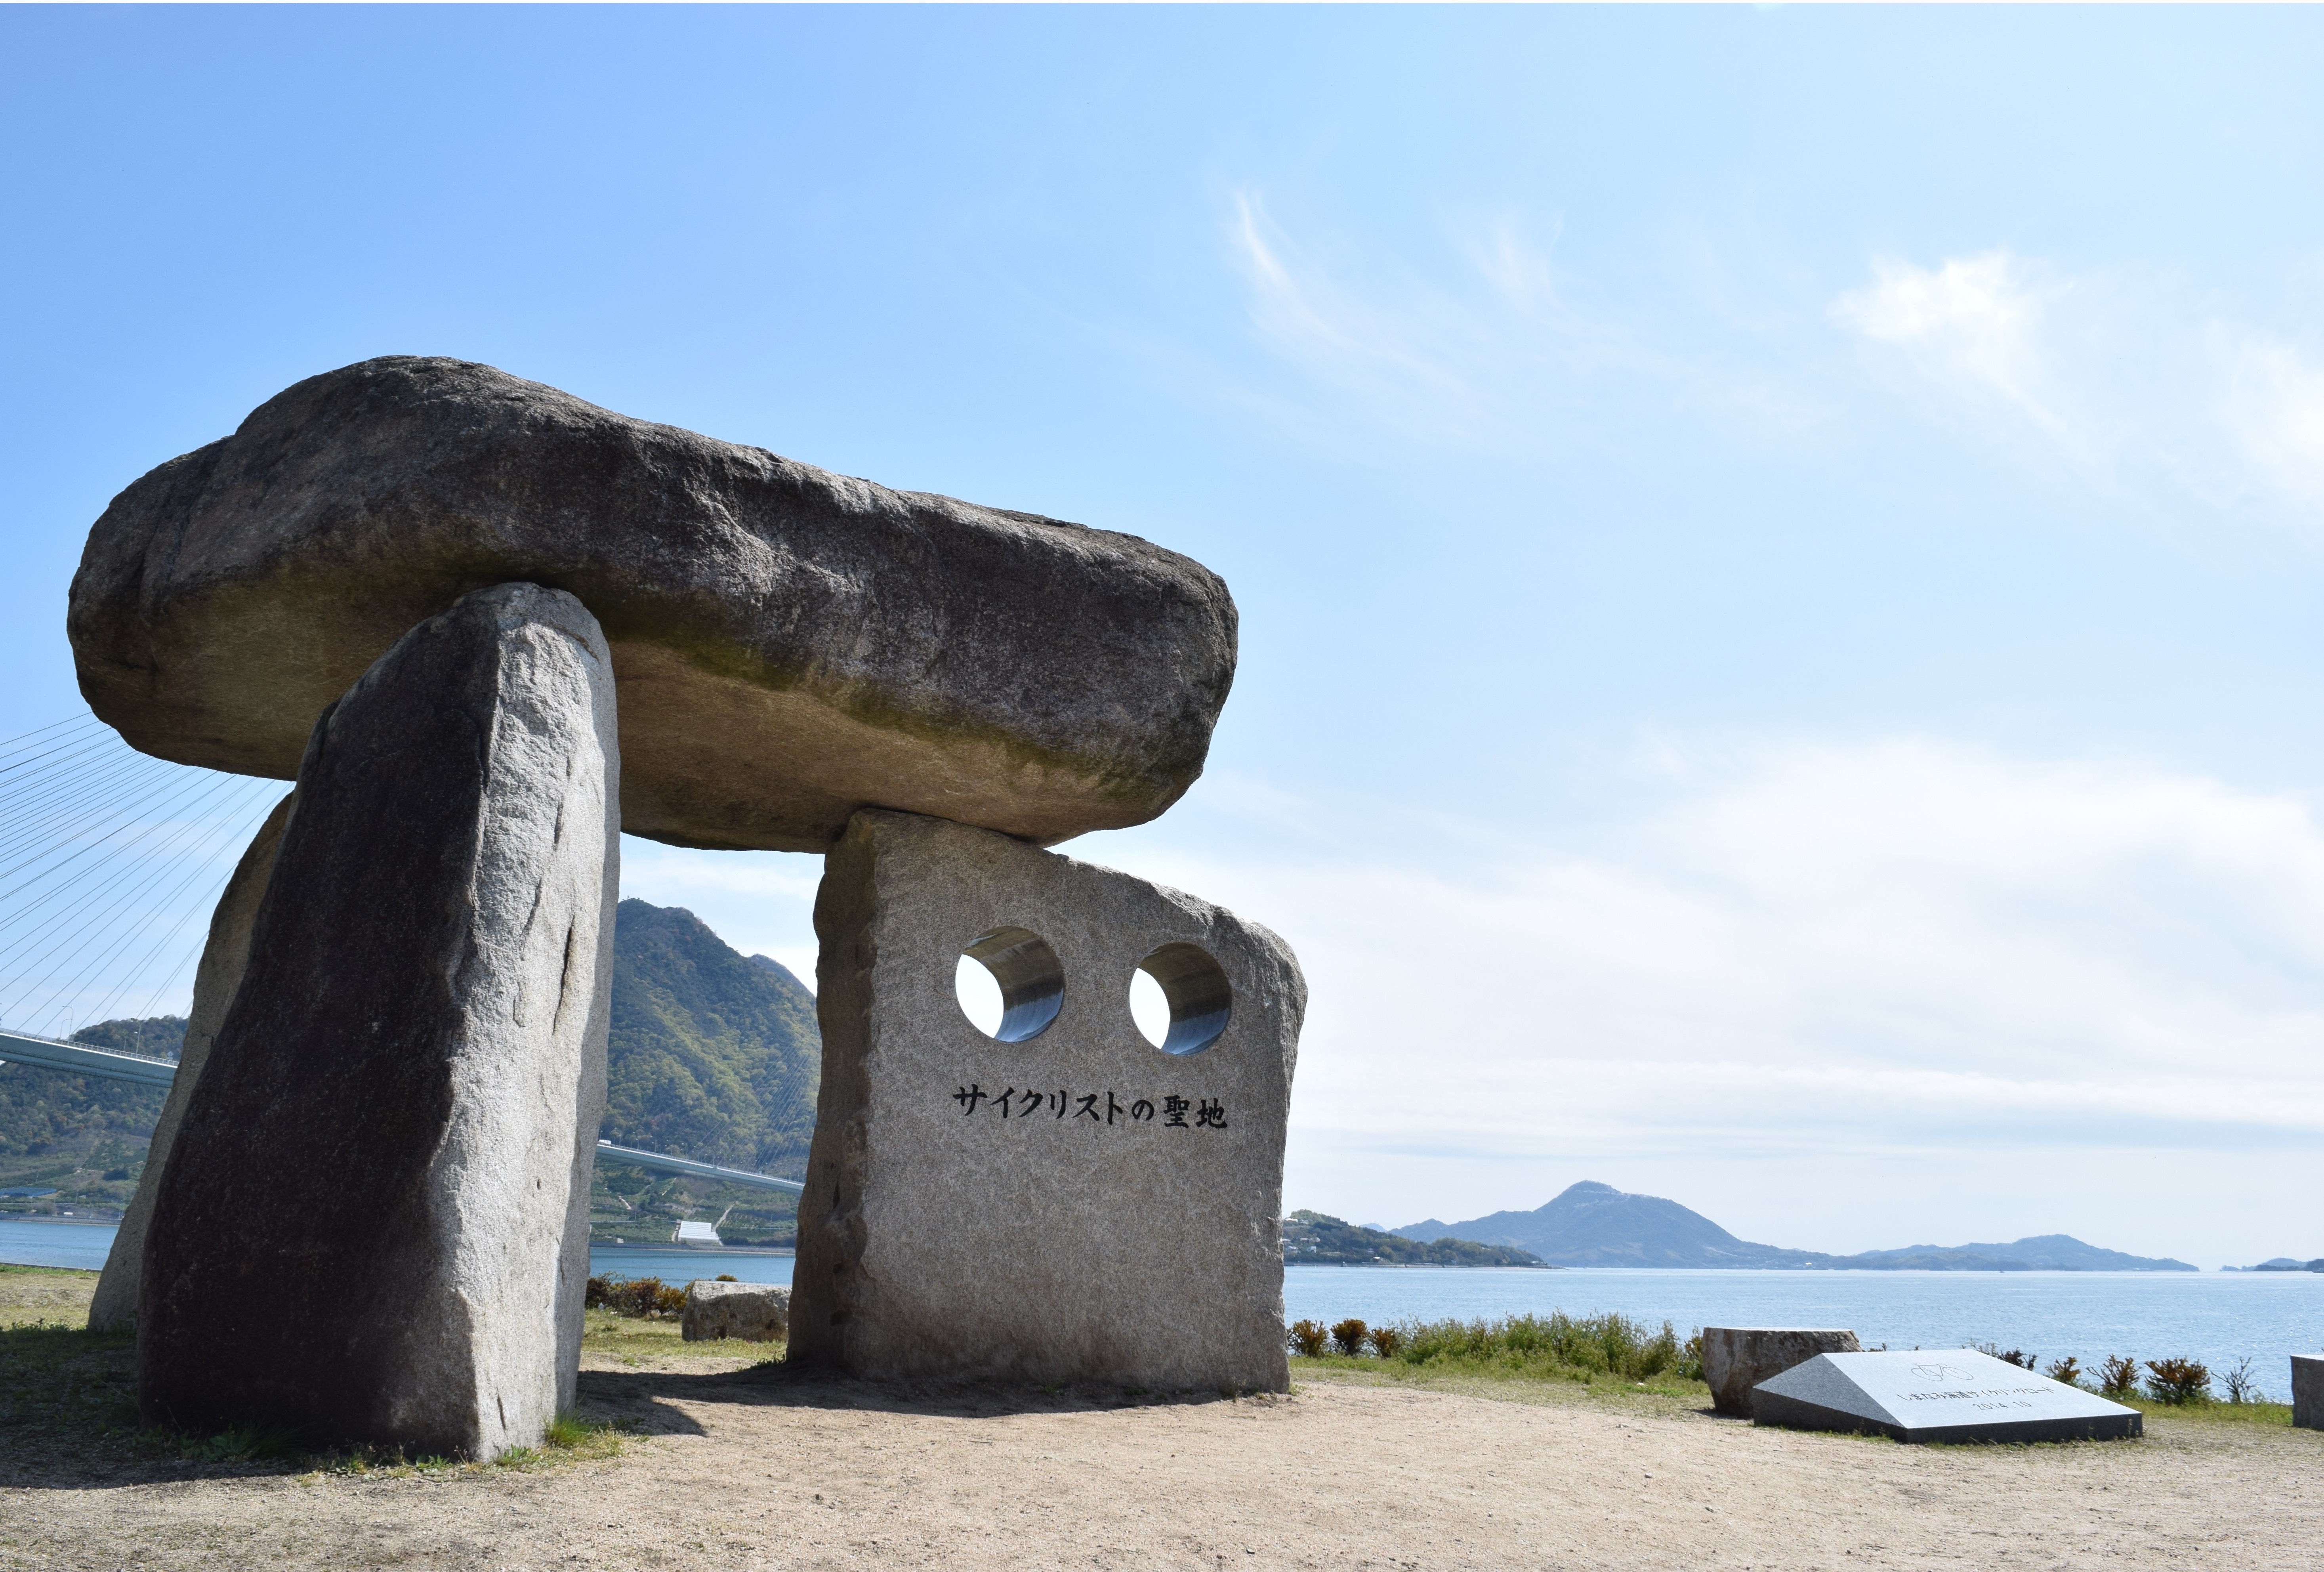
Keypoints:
(1078, 1205)
(372, 1225)
(2307, 1391)
(790, 644)
(756, 1312)
(1735, 1359)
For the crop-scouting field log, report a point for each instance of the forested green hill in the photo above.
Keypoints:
(714, 1054)
(44, 1112)
(1311, 1238)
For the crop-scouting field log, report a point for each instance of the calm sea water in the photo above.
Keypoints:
(2217, 1317)
(81, 1245)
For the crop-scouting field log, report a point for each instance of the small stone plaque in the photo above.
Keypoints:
(2307, 1391)
(1951, 1394)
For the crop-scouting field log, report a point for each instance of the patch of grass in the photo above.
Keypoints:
(1599, 1355)
(244, 1444)
(49, 1295)
(607, 1331)
(2209, 1412)
(66, 1387)
(584, 1440)
(69, 1393)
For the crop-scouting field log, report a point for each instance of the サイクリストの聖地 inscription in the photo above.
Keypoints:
(1173, 1112)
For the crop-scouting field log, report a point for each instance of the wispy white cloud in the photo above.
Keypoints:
(1893, 957)
(1982, 327)
(2272, 406)
(1490, 347)
(2129, 382)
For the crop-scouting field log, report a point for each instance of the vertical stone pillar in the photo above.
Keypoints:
(373, 1225)
(224, 955)
(1064, 1201)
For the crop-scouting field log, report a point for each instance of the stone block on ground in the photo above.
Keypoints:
(756, 1312)
(1066, 1201)
(216, 978)
(373, 1224)
(2307, 1391)
(791, 644)
(1952, 1394)
(1735, 1359)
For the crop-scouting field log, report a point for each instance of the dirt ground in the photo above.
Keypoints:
(750, 1467)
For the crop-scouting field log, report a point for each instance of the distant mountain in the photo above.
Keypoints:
(2281, 1263)
(1596, 1225)
(713, 1055)
(2043, 1252)
(1314, 1239)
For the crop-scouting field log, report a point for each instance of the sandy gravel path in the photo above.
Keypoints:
(752, 1469)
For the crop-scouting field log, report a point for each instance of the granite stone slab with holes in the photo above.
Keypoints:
(1065, 1200)
(1951, 1394)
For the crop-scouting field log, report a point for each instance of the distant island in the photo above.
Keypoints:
(2281, 1263)
(1596, 1225)
(1311, 1238)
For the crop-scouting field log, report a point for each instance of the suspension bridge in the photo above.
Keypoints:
(110, 863)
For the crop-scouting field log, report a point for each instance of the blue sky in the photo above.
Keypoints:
(1778, 549)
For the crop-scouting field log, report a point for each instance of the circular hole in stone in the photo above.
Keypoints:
(1010, 983)
(1194, 1001)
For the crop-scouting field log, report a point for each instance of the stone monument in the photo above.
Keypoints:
(1063, 1201)
(1952, 1394)
(2307, 1391)
(484, 626)
(1735, 1359)
(374, 1221)
(756, 1312)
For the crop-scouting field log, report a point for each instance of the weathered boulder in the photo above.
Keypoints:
(790, 644)
(1063, 1201)
(1735, 1359)
(2307, 1391)
(756, 1312)
(374, 1223)
(219, 973)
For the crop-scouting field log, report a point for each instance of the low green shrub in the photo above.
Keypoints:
(1307, 1338)
(1689, 1358)
(2178, 1381)
(1385, 1341)
(2067, 1370)
(2118, 1376)
(1348, 1337)
(1557, 1346)
(635, 1296)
